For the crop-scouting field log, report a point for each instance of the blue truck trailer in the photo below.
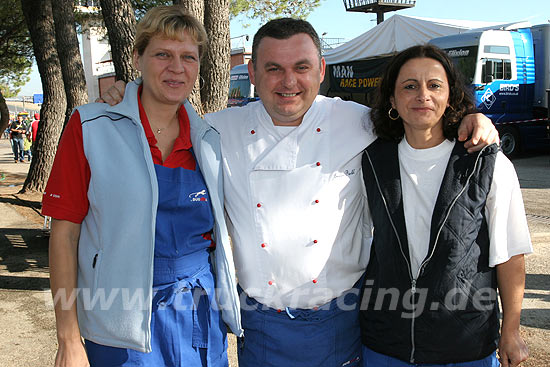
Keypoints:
(509, 71)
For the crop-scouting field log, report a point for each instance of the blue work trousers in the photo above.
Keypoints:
(373, 359)
(17, 148)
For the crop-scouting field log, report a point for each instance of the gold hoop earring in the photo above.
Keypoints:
(200, 79)
(390, 116)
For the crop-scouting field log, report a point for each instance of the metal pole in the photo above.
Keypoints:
(379, 17)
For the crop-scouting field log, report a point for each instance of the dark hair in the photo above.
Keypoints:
(282, 29)
(461, 101)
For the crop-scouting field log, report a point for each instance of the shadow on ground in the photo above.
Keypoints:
(532, 169)
(537, 286)
(24, 283)
(537, 318)
(23, 250)
(17, 201)
(537, 282)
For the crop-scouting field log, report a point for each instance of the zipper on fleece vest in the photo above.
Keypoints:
(427, 260)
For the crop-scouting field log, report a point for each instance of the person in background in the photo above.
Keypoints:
(449, 228)
(34, 126)
(17, 131)
(296, 204)
(138, 214)
(27, 144)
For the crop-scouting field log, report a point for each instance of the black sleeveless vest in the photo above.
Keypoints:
(448, 312)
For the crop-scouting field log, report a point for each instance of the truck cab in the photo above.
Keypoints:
(500, 67)
(241, 90)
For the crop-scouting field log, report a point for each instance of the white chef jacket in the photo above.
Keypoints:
(295, 200)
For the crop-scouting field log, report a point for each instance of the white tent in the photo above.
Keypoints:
(399, 32)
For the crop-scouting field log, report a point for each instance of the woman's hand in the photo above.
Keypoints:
(71, 354)
(511, 284)
(63, 280)
(512, 350)
(481, 130)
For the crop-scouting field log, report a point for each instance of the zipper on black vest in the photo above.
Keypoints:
(427, 260)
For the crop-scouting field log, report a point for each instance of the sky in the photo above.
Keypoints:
(331, 18)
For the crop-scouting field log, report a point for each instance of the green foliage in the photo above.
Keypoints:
(141, 6)
(7, 92)
(87, 15)
(252, 9)
(95, 19)
(11, 84)
(270, 9)
(260, 9)
(263, 10)
(15, 44)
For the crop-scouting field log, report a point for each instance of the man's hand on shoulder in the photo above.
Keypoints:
(481, 130)
(114, 94)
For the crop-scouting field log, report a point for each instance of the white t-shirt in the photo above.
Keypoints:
(295, 201)
(422, 172)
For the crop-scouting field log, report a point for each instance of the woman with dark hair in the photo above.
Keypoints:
(449, 228)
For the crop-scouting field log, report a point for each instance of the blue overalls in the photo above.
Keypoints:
(186, 325)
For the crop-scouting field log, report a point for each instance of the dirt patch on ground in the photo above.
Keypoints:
(27, 337)
(27, 205)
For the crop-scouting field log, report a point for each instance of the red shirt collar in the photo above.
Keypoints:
(183, 141)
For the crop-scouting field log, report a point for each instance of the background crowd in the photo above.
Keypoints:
(22, 133)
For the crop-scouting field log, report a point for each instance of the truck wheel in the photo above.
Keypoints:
(509, 141)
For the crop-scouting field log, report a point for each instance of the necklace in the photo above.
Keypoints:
(159, 129)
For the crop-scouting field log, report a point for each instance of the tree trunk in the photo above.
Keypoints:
(39, 19)
(193, 7)
(216, 64)
(196, 9)
(4, 114)
(69, 55)
(120, 22)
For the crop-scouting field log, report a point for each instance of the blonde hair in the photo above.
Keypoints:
(169, 22)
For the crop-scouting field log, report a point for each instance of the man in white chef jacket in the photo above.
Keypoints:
(296, 205)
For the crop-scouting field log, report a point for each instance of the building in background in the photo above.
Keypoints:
(240, 52)
(98, 65)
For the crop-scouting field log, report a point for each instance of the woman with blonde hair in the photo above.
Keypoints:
(138, 230)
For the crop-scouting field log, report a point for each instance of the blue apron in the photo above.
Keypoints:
(186, 325)
(328, 336)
